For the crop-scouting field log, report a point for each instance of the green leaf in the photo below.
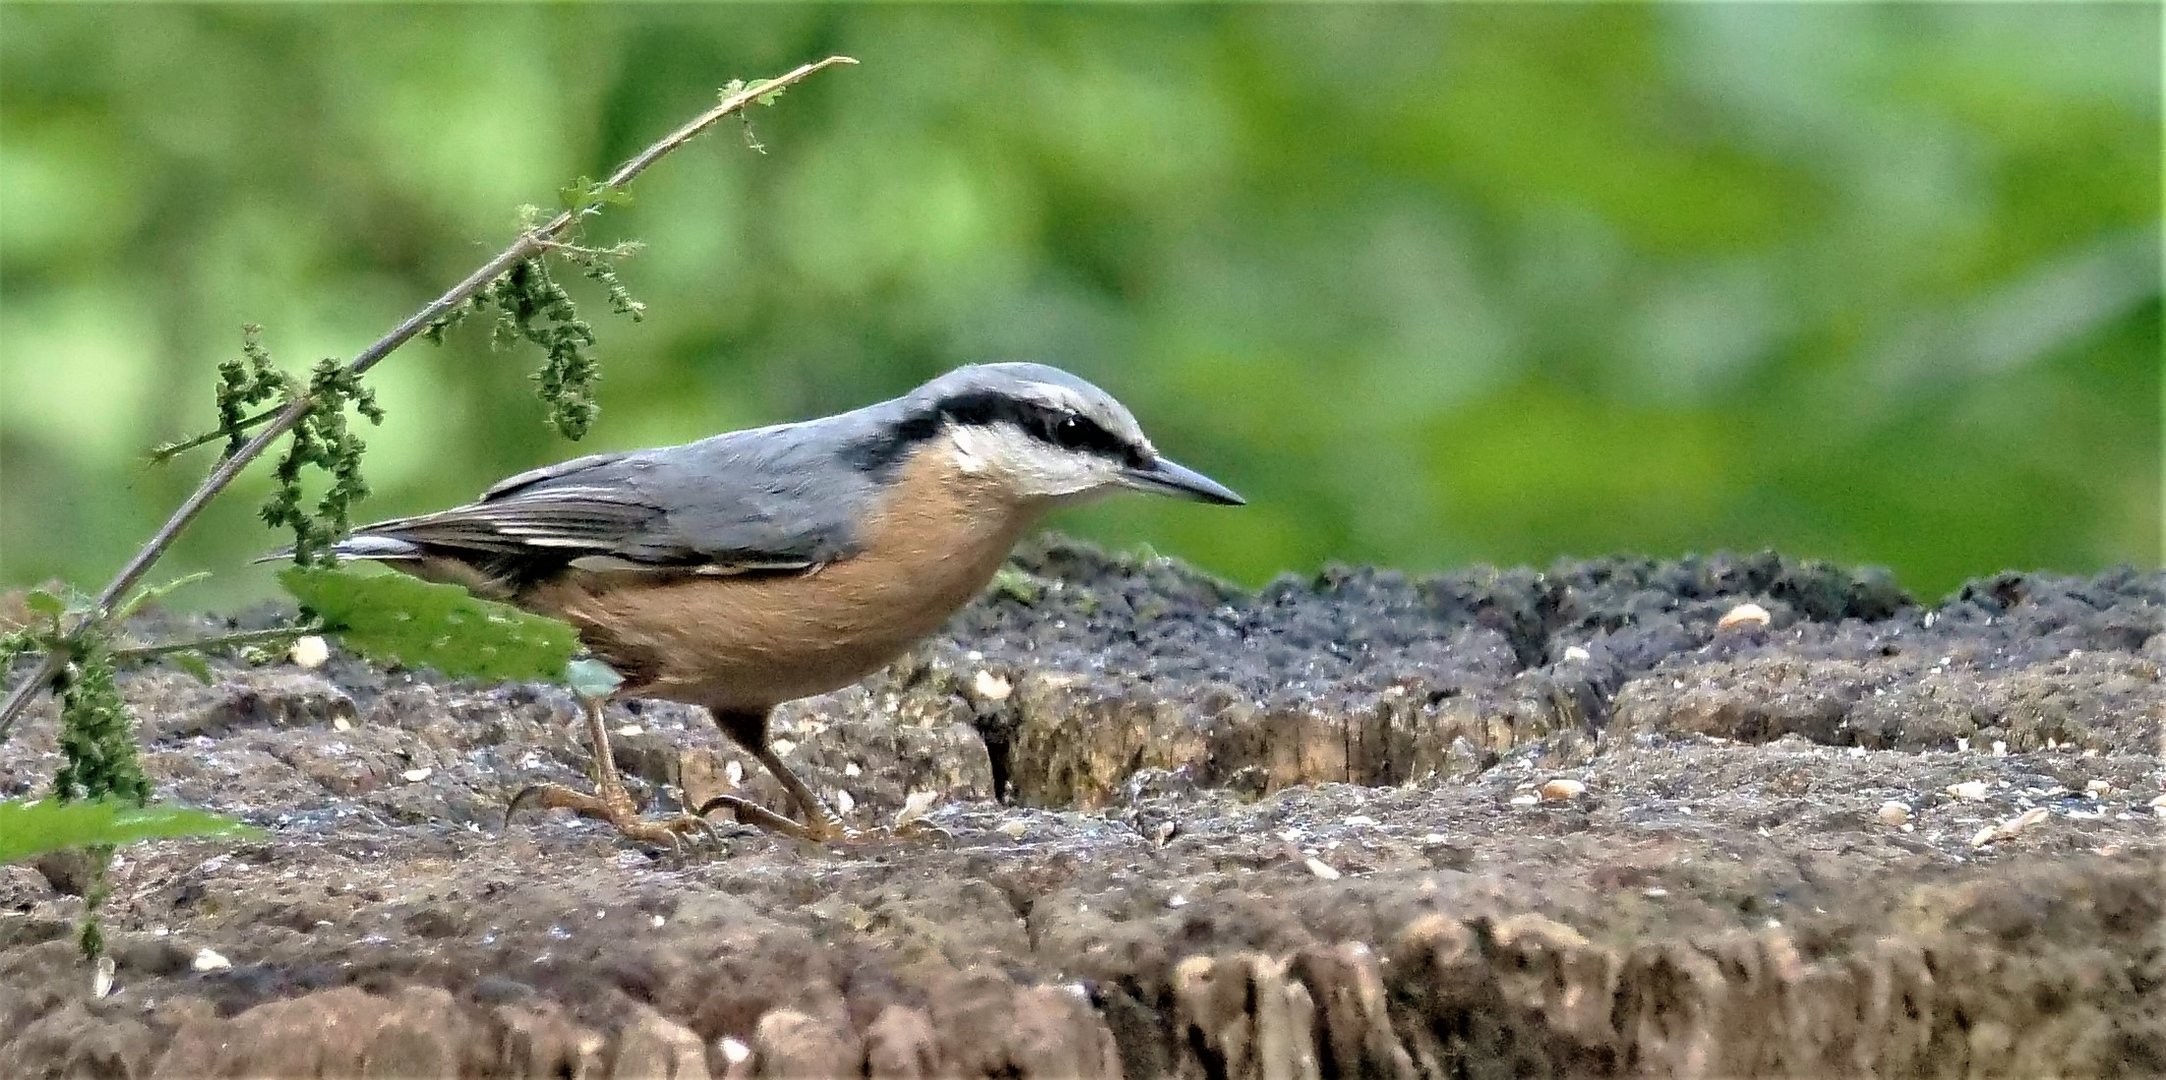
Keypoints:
(44, 603)
(151, 594)
(1018, 585)
(34, 828)
(584, 193)
(392, 618)
(193, 664)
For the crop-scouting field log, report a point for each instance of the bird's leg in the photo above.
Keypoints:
(749, 730)
(610, 801)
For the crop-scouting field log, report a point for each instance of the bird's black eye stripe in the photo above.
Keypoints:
(1072, 431)
(1052, 424)
(1061, 427)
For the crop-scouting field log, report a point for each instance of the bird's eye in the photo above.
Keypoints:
(1071, 432)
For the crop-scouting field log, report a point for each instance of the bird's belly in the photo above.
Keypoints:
(753, 642)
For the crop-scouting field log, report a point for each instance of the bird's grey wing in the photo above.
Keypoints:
(531, 477)
(730, 504)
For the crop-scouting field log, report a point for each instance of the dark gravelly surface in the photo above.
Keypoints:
(1493, 823)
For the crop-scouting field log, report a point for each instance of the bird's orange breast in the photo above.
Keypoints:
(749, 642)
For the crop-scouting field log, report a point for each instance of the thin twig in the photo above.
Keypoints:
(529, 242)
(159, 455)
(220, 641)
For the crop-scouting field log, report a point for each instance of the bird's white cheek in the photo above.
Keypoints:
(969, 457)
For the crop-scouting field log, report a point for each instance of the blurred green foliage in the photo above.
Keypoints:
(29, 829)
(1429, 285)
(391, 618)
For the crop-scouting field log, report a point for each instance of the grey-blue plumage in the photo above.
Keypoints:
(764, 500)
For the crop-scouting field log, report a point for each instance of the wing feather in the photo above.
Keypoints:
(775, 500)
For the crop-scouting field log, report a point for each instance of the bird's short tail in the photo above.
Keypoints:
(362, 546)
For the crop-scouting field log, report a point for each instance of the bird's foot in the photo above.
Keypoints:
(824, 828)
(905, 830)
(826, 832)
(616, 808)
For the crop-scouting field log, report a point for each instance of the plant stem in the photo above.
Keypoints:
(162, 454)
(220, 641)
(223, 474)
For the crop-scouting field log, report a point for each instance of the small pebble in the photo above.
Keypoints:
(782, 747)
(1528, 799)
(2097, 788)
(1745, 615)
(992, 687)
(1176, 901)
(1013, 830)
(734, 772)
(630, 730)
(2000, 748)
(1654, 892)
(1562, 789)
(734, 1050)
(340, 723)
(309, 652)
(101, 978)
(914, 807)
(1576, 653)
(851, 768)
(1355, 821)
(415, 776)
(656, 921)
(1962, 744)
(210, 960)
(1894, 813)
(844, 803)
(2007, 830)
(1323, 869)
(1968, 790)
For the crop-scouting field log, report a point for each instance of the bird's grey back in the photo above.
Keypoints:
(780, 494)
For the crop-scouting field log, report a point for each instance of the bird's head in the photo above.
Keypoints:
(1047, 435)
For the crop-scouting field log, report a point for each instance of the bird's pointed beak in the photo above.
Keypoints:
(1163, 477)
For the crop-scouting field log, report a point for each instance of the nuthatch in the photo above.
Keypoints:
(757, 567)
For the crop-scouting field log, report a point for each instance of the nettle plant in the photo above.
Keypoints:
(74, 646)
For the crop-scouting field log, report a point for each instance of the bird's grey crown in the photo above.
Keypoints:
(1043, 401)
(1040, 385)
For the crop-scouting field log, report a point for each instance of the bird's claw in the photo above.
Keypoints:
(668, 831)
(823, 829)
